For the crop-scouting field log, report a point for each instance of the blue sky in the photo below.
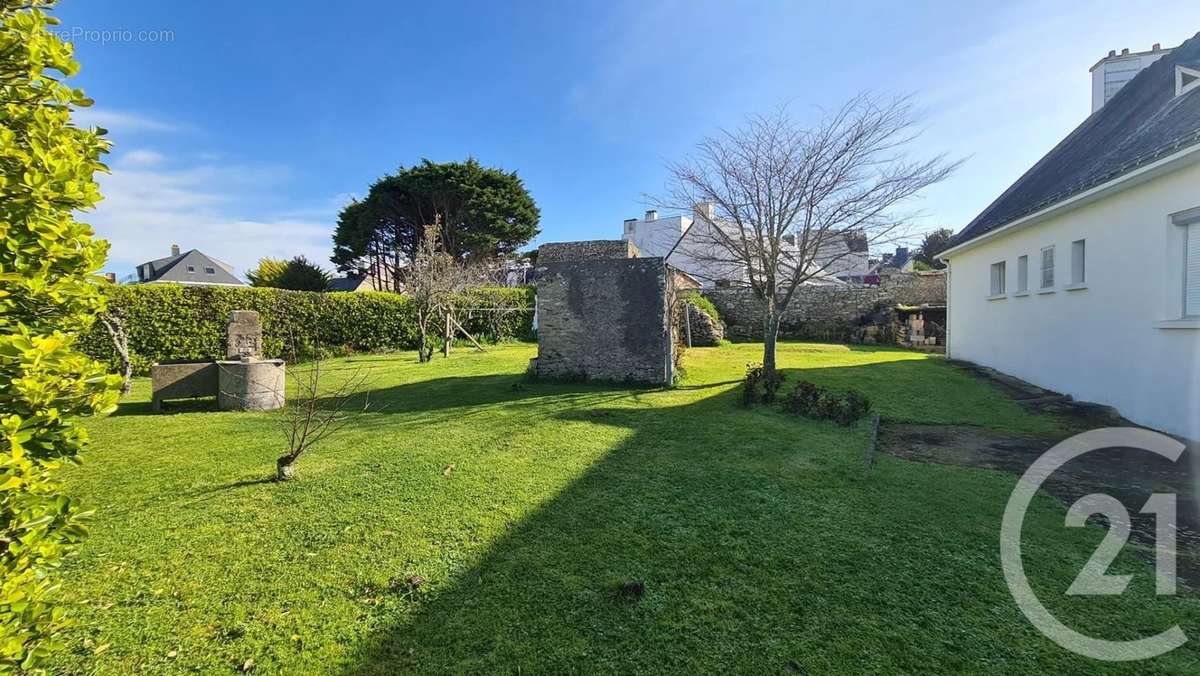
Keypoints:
(241, 128)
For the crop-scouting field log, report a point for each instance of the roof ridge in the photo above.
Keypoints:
(1142, 122)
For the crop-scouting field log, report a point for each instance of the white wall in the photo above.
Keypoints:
(1100, 343)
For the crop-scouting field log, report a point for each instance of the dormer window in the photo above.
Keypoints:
(1186, 79)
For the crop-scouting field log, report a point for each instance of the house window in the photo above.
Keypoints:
(1186, 79)
(191, 268)
(998, 281)
(1191, 271)
(1079, 261)
(1048, 267)
(210, 271)
(1022, 274)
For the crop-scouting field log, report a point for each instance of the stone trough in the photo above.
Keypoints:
(243, 381)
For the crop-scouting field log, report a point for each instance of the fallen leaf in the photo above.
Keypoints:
(448, 470)
(100, 649)
(248, 665)
(173, 654)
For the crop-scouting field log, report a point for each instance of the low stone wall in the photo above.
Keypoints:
(833, 313)
(604, 320)
(705, 331)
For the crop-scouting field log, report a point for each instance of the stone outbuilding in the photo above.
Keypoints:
(604, 313)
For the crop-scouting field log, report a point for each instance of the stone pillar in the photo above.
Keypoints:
(243, 336)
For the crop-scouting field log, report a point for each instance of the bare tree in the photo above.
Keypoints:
(114, 324)
(317, 411)
(436, 282)
(776, 204)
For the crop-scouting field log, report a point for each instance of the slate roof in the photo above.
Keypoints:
(175, 269)
(347, 283)
(1142, 123)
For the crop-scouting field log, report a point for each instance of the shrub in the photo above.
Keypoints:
(48, 294)
(698, 301)
(175, 322)
(813, 401)
(757, 387)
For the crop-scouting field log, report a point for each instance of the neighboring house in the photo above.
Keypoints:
(358, 282)
(689, 246)
(890, 264)
(191, 267)
(1084, 276)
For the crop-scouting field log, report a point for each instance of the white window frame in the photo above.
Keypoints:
(191, 268)
(1042, 285)
(1191, 248)
(997, 276)
(1023, 273)
(1078, 264)
(1180, 87)
(1189, 264)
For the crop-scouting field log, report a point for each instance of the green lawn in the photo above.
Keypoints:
(762, 546)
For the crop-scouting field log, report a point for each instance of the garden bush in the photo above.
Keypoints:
(698, 301)
(757, 387)
(813, 401)
(49, 293)
(173, 322)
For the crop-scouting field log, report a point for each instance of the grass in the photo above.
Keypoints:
(524, 507)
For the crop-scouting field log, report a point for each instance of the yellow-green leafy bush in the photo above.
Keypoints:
(48, 294)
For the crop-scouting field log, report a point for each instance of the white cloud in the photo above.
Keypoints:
(151, 203)
(119, 121)
(141, 158)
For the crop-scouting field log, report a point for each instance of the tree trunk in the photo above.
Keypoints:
(770, 336)
(423, 352)
(285, 469)
(120, 340)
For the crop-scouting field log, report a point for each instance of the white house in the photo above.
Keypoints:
(1084, 276)
(683, 241)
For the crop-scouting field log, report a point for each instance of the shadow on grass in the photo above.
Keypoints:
(199, 405)
(697, 505)
(746, 529)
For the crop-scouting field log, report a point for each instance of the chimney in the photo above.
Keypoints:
(651, 215)
(174, 249)
(629, 222)
(1115, 70)
(705, 210)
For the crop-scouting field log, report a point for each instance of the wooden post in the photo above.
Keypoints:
(687, 322)
(869, 458)
(449, 337)
(469, 336)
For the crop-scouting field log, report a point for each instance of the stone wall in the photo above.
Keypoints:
(606, 319)
(592, 250)
(835, 313)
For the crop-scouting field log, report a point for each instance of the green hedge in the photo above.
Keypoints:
(173, 322)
